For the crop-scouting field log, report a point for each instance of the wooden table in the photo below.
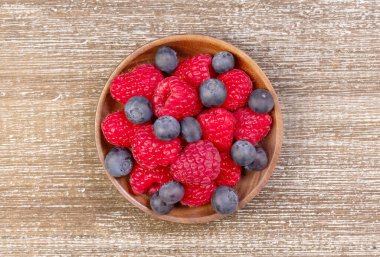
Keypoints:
(324, 61)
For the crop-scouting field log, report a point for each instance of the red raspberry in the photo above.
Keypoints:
(144, 180)
(195, 70)
(239, 87)
(118, 130)
(197, 195)
(218, 126)
(141, 81)
(150, 151)
(199, 163)
(251, 126)
(176, 98)
(154, 189)
(229, 171)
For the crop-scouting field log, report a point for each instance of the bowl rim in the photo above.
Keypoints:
(208, 39)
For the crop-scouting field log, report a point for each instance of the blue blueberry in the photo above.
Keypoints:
(166, 59)
(191, 130)
(138, 110)
(260, 101)
(224, 200)
(260, 162)
(212, 92)
(243, 153)
(172, 192)
(166, 128)
(223, 62)
(119, 162)
(160, 206)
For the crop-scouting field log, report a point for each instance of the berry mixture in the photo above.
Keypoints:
(187, 129)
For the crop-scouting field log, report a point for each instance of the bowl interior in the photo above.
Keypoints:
(186, 46)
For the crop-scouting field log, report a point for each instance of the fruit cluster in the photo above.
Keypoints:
(187, 129)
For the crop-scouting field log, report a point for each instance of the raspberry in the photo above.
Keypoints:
(251, 126)
(229, 171)
(197, 195)
(195, 70)
(176, 98)
(239, 86)
(141, 81)
(144, 180)
(218, 126)
(199, 163)
(151, 152)
(154, 189)
(118, 130)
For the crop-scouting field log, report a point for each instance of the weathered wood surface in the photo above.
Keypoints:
(324, 61)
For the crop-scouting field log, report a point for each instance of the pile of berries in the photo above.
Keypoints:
(187, 129)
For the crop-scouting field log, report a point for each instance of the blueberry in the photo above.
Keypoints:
(224, 200)
(160, 206)
(223, 62)
(166, 128)
(119, 162)
(260, 162)
(243, 153)
(172, 192)
(212, 92)
(166, 59)
(261, 101)
(138, 110)
(191, 130)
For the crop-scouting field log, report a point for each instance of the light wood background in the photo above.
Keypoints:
(324, 61)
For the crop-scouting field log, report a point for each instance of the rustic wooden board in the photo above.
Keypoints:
(324, 61)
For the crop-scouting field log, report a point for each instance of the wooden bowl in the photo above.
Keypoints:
(189, 45)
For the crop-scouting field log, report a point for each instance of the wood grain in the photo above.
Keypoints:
(323, 60)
